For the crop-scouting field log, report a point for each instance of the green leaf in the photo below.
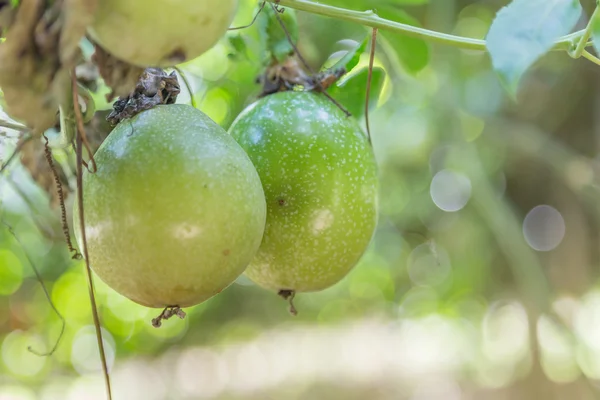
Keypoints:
(524, 31)
(351, 92)
(352, 58)
(238, 48)
(412, 53)
(278, 44)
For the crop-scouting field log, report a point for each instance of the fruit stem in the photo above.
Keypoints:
(585, 37)
(289, 296)
(591, 57)
(91, 291)
(167, 313)
(370, 18)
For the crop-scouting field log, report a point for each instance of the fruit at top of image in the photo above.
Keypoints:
(155, 33)
(320, 180)
(175, 211)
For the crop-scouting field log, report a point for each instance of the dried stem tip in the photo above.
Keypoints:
(289, 296)
(167, 313)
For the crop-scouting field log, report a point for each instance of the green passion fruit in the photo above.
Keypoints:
(155, 33)
(175, 211)
(320, 181)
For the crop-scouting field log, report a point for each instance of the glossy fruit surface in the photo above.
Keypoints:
(320, 181)
(157, 33)
(175, 211)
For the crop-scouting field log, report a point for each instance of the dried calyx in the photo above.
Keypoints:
(289, 75)
(153, 88)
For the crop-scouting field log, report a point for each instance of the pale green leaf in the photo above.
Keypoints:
(351, 59)
(412, 53)
(524, 31)
(351, 93)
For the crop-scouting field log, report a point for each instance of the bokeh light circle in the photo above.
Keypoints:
(450, 191)
(544, 228)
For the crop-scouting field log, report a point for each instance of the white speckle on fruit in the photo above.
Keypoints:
(323, 115)
(93, 232)
(186, 231)
(321, 221)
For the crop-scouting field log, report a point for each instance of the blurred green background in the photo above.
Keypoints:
(480, 283)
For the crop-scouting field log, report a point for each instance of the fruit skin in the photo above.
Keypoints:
(320, 181)
(175, 211)
(155, 33)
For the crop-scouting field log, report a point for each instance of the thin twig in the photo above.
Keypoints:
(16, 127)
(583, 41)
(337, 103)
(291, 41)
(371, 19)
(369, 78)
(187, 85)
(303, 61)
(289, 296)
(591, 57)
(46, 293)
(167, 313)
(16, 152)
(79, 119)
(253, 19)
(79, 153)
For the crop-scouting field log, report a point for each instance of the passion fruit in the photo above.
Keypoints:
(175, 211)
(155, 33)
(320, 181)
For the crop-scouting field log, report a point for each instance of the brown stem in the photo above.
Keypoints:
(187, 85)
(167, 313)
(277, 11)
(79, 152)
(61, 198)
(290, 40)
(289, 296)
(253, 19)
(369, 79)
(79, 119)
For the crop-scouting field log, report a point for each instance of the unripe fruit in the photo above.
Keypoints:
(155, 33)
(320, 181)
(175, 211)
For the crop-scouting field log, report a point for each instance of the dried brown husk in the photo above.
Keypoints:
(154, 87)
(289, 75)
(41, 47)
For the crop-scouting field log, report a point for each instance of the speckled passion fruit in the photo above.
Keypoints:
(320, 181)
(175, 211)
(158, 33)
